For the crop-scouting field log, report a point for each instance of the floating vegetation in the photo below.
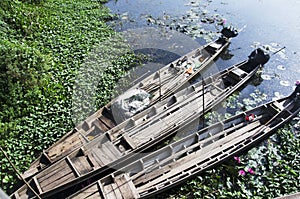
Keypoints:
(281, 67)
(296, 122)
(266, 77)
(236, 104)
(271, 48)
(277, 95)
(231, 101)
(197, 22)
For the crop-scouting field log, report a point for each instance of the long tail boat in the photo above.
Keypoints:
(159, 85)
(121, 145)
(186, 158)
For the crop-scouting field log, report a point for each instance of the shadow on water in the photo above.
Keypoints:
(158, 55)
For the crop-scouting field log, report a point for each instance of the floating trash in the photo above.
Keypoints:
(281, 67)
(285, 83)
(266, 77)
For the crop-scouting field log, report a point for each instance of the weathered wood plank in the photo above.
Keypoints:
(110, 124)
(129, 141)
(95, 156)
(91, 191)
(57, 170)
(70, 163)
(100, 125)
(109, 192)
(117, 191)
(37, 184)
(126, 186)
(65, 147)
(109, 151)
(60, 180)
(82, 165)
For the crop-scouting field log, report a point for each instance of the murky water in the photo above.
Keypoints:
(270, 24)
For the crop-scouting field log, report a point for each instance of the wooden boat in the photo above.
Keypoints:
(120, 145)
(159, 85)
(186, 158)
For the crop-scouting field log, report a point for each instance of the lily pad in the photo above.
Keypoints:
(281, 67)
(266, 77)
(285, 83)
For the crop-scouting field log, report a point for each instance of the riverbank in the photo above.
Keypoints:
(44, 43)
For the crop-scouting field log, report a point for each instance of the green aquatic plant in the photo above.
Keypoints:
(43, 45)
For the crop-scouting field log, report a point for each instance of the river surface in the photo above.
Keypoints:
(178, 26)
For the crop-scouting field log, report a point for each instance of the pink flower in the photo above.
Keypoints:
(224, 21)
(237, 159)
(251, 171)
(242, 172)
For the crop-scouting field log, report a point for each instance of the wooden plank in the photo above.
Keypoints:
(94, 196)
(100, 125)
(85, 193)
(65, 147)
(117, 191)
(37, 184)
(278, 105)
(95, 163)
(131, 186)
(101, 188)
(92, 161)
(110, 124)
(70, 163)
(60, 180)
(16, 195)
(82, 165)
(129, 141)
(111, 150)
(94, 155)
(82, 134)
(30, 172)
(104, 154)
(57, 169)
(109, 192)
(126, 187)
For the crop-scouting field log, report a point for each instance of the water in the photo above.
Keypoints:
(270, 24)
